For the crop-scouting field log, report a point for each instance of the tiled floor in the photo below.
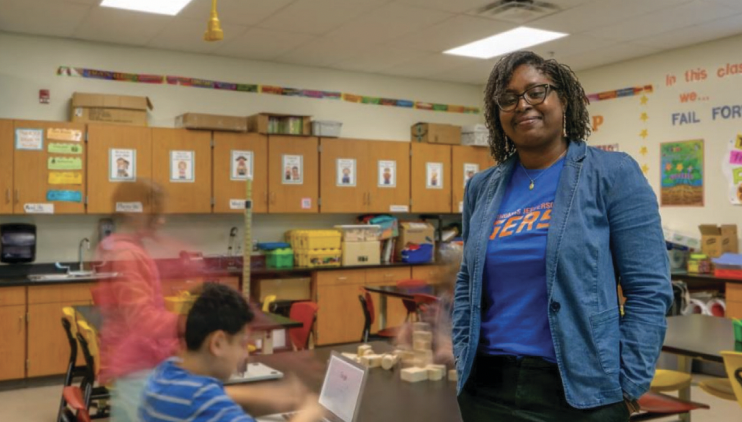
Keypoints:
(39, 404)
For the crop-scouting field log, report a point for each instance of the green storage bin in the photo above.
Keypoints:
(280, 258)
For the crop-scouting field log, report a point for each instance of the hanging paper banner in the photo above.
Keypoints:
(65, 178)
(681, 173)
(64, 196)
(620, 93)
(262, 89)
(65, 163)
(70, 135)
(55, 148)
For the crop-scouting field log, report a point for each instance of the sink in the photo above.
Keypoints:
(73, 275)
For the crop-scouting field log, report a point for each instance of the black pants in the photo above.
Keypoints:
(509, 389)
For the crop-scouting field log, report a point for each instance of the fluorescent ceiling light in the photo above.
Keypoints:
(505, 42)
(161, 7)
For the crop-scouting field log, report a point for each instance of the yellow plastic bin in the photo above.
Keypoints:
(314, 239)
(319, 258)
(180, 304)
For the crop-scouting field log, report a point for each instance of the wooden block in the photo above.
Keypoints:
(422, 335)
(436, 372)
(407, 357)
(365, 349)
(423, 358)
(453, 375)
(422, 345)
(414, 374)
(420, 326)
(388, 361)
(371, 361)
(351, 356)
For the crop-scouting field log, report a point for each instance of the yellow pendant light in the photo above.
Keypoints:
(214, 29)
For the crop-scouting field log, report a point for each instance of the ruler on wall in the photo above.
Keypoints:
(247, 247)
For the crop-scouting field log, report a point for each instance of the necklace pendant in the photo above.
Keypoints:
(531, 185)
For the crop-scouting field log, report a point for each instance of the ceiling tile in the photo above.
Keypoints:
(571, 45)
(238, 12)
(452, 33)
(387, 23)
(121, 26)
(735, 4)
(720, 28)
(474, 73)
(185, 34)
(41, 17)
(429, 65)
(604, 56)
(262, 44)
(601, 13)
(320, 52)
(318, 16)
(380, 58)
(454, 6)
(662, 21)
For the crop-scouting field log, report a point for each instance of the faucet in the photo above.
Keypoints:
(86, 243)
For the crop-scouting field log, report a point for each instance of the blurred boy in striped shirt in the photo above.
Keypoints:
(191, 388)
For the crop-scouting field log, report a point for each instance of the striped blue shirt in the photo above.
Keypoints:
(174, 394)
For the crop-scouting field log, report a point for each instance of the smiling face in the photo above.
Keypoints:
(532, 126)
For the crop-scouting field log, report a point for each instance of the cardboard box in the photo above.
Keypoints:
(415, 233)
(118, 109)
(280, 124)
(201, 121)
(361, 253)
(434, 133)
(717, 240)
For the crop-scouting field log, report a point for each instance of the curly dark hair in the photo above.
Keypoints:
(218, 307)
(568, 88)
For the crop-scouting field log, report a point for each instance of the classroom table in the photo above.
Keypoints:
(404, 293)
(263, 324)
(697, 337)
(385, 398)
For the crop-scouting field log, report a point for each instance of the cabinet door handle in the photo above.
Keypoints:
(20, 323)
(342, 278)
(7, 195)
(266, 198)
(369, 198)
(388, 275)
(16, 195)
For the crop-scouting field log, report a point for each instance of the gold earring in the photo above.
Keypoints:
(564, 124)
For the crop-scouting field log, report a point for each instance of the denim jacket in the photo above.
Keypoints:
(605, 221)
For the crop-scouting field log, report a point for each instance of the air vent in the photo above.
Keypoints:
(517, 11)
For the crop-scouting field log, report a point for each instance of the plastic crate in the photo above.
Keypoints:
(319, 258)
(280, 258)
(326, 129)
(728, 273)
(360, 233)
(180, 304)
(314, 239)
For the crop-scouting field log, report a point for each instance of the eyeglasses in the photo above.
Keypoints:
(534, 95)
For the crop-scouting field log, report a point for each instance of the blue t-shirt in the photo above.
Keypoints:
(172, 393)
(514, 309)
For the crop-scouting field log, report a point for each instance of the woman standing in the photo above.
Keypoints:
(537, 332)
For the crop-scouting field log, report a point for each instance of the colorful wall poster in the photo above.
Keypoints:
(58, 134)
(64, 196)
(387, 173)
(434, 175)
(681, 173)
(241, 165)
(345, 172)
(732, 168)
(57, 148)
(293, 169)
(182, 165)
(65, 178)
(122, 165)
(64, 163)
(29, 139)
(469, 171)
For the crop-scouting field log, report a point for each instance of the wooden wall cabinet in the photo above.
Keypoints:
(32, 162)
(13, 329)
(236, 155)
(104, 141)
(6, 167)
(344, 176)
(382, 198)
(734, 300)
(465, 162)
(181, 164)
(431, 178)
(293, 178)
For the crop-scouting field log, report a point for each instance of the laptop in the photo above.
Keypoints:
(341, 392)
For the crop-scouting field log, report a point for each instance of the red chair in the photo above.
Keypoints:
(75, 409)
(410, 304)
(369, 313)
(427, 307)
(304, 312)
(657, 406)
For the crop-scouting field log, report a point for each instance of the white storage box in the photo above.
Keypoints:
(360, 232)
(326, 128)
(475, 135)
